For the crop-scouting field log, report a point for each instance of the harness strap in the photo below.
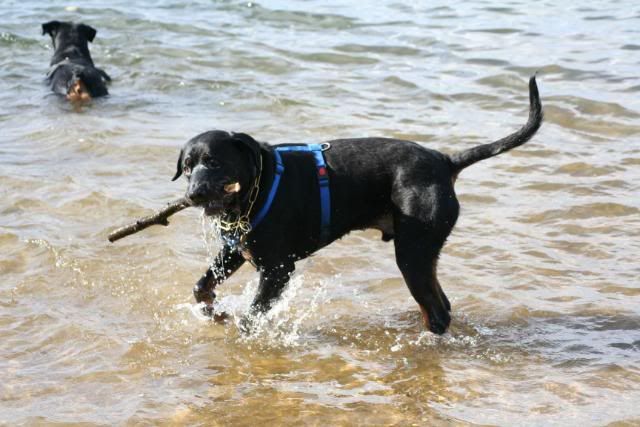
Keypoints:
(323, 183)
(272, 192)
(55, 66)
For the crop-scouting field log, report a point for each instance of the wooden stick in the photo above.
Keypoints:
(159, 218)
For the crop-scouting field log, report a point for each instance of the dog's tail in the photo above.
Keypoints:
(468, 157)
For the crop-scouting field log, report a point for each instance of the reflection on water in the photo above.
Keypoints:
(541, 270)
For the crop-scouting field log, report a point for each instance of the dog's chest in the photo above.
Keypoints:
(238, 244)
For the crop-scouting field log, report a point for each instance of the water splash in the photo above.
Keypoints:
(63, 261)
(284, 324)
(211, 236)
(289, 322)
(296, 316)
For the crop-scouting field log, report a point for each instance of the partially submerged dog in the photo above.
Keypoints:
(279, 204)
(72, 73)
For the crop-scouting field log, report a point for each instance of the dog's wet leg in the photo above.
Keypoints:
(445, 300)
(417, 249)
(224, 265)
(272, 282)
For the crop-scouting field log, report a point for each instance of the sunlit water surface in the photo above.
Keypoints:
(542, 269)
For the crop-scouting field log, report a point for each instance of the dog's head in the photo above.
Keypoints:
(221, 168)
(69, 33)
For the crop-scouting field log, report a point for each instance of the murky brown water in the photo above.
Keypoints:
(542, 269)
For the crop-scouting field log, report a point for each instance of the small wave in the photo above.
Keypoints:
(335, 58)
(497, 30)
(286, 18)
(13, 40)
(585, 211)
(584, 169)
(383, 49)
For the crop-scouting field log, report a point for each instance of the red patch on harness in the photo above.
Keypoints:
(322, 171)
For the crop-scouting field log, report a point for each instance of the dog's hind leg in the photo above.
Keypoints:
(417, 258)
(420, 233)
(447, 304)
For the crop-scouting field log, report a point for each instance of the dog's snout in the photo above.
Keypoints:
(198, 192)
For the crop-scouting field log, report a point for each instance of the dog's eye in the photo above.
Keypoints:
(211, 164)
(188, 164)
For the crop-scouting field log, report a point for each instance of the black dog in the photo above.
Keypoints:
(72, 72)
(398, 187)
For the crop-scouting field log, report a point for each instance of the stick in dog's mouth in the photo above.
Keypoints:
(234, 187)
(217, 207)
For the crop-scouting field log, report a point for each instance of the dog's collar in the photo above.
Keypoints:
(242, 225)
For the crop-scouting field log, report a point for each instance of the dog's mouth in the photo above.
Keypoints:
(219, 202)
(217, 207)
(213, 208)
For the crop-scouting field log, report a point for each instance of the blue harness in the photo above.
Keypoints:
(323, 182)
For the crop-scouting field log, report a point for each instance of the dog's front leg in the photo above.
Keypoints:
(272, 282)
(224, 265)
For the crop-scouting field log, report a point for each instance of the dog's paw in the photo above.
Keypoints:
(207, 310)
(218, 317)
(203, 291)
(439, 321)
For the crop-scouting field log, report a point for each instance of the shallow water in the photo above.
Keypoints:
(542, 269)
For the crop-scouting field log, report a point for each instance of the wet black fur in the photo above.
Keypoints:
(71, 59)
(398, 187)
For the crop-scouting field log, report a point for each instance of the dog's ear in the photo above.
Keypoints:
(50, 28)
(87, 31)
(250, 144)
(178, 167)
